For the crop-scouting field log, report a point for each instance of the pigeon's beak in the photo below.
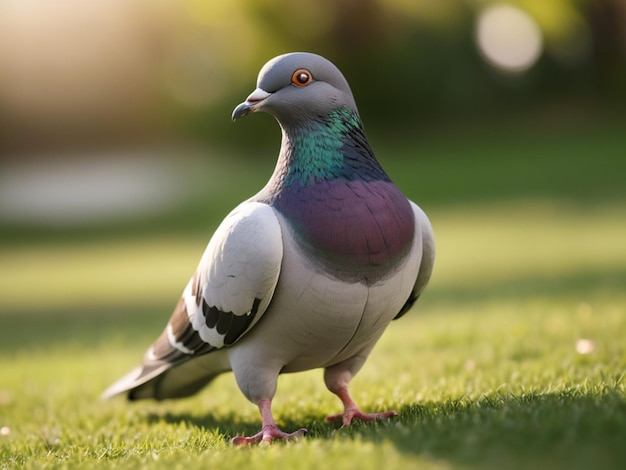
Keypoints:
(251, 104)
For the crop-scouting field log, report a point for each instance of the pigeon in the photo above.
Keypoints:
(306, 274)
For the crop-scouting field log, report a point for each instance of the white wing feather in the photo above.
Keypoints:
(231, 289)
(240, 265)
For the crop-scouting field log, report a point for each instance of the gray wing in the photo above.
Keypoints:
(424, 229)
(227, 295)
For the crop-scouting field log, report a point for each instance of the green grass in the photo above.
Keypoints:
(484, 372)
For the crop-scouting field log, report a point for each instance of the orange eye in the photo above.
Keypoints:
(301, 77)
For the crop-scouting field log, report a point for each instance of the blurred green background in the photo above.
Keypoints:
(109, 111)
(118, 157)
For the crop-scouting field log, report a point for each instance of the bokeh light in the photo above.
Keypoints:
(508, 38)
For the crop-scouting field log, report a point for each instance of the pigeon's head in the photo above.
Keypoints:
(296, 88)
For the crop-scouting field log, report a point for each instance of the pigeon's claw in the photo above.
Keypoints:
(350, 414)
(351, 411)
(269, 434)
(270, 431)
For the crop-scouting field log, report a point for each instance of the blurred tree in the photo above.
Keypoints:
(607, 19)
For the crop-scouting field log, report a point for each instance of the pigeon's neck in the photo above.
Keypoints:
(338, 203)
(328, 147)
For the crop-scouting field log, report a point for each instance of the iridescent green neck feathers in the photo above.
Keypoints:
(333, 146)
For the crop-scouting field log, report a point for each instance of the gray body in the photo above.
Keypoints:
(306, 274)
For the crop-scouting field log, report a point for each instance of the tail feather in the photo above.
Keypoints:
(133, 380)
(170, 369)
(165, 380)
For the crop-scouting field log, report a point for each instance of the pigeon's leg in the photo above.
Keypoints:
(337, 382)
(270, 431)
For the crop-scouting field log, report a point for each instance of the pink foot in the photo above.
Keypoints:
(351, 411)
(268, 434)
(348, 415)
(270, 431)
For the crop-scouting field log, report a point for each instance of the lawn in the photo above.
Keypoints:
(514, 358)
